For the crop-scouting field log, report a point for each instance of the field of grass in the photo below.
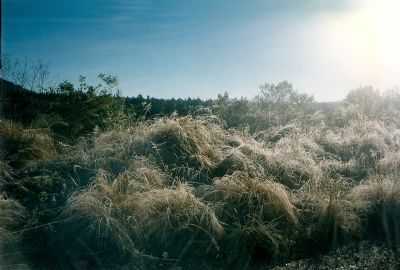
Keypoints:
(186, 192)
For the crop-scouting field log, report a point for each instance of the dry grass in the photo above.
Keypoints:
(177, 144)
(20, 145)
(359, 147)
(390, 164)
(294, 192)
(185, 147)
(174, 223)
(12, 219)
(287, 162)
(6, 172)
(326, 221)
(135, 218)
(378, 203)
(96, 227)
(235, 160)
(257, 214)
(274, 134)
(261, 198)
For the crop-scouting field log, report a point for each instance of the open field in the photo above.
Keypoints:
(190, 192)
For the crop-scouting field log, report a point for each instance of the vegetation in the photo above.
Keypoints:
(92, 180)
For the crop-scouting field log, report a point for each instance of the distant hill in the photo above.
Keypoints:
(21, 104)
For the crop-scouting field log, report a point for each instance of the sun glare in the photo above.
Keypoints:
(385, 22)
(366, 41)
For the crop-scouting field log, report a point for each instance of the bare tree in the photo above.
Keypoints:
(32, 75)
(281, 102)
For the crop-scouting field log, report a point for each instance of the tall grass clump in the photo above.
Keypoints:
(390, 164)
(120, 221)
(183, 193)
(6, 172)
(257, 213)
(20, 145)
(287, 162)
(96, 228)
(326, 220)
(12, 220)
(173, 223)
(112, 150)
(358, 149)
(185, 146)
(234, 160)
(378, 204)
(273, 134)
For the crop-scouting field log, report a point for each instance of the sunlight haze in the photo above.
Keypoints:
(202, 48)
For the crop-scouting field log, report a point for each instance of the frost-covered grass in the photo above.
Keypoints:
(184, 192)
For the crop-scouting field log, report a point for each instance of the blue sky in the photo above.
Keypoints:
(198, 48)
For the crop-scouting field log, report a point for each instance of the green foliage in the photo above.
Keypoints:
(70, 111)
(84, 108)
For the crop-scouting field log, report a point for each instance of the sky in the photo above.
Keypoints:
(199, 48)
